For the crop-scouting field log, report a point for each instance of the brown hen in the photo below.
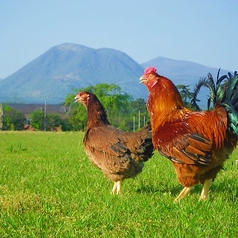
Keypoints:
(118, 154)
(197, 143)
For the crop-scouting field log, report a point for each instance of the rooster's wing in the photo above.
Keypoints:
(177, 142)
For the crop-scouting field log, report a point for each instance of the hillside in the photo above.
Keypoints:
(68, 66)
(186, 73)
(181, 71)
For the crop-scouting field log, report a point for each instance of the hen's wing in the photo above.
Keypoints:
(139, 143)
(107, 148)
(181, 145)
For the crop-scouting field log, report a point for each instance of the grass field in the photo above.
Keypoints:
(48, 188)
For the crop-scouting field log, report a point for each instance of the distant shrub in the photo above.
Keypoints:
(12, 119)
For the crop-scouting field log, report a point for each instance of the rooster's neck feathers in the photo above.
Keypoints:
(164, 100)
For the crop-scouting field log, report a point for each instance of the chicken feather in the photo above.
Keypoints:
(118, 154)
(197, 142)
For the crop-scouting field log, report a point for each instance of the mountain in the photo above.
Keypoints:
(68, 66)
(62, 68)
(181, 71)
(185, 73)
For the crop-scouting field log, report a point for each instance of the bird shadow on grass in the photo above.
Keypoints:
(174, 191)
(227, 187)
(150, 189)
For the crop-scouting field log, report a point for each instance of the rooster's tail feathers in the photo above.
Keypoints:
(208, 83)
(229, 100)
(222, 93)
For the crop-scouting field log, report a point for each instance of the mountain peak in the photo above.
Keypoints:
(71, 46)
(70, 66)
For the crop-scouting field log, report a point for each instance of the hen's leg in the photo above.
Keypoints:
(183, 193)
(116, 187)
(206, 186)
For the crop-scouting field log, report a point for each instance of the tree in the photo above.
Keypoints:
(115, 102)
(49, 122)
(1, 116)
(185, 94)
(37, 119)
(66, 125)
(12, 119)
(53, 121)
(139, 113)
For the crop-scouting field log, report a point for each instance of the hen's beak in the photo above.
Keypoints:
(142, 79)
(77, 98)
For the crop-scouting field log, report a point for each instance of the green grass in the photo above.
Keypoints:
(48, 188)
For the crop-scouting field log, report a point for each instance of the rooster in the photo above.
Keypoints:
(118, 154)
(196, 142)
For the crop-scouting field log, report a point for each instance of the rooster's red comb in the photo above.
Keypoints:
(150, 70)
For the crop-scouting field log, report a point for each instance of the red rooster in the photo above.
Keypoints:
(118, 154)
(197, 143)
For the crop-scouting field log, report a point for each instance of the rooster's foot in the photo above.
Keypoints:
(183, 193)
(206, 186)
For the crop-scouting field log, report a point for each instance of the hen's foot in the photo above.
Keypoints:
(116, 188)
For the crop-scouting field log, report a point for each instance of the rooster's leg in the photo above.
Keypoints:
(116, 187)
(183, 193)
(206, 186)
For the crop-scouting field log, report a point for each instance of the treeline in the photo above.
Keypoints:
(122, 109)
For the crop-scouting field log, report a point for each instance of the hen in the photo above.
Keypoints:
(197, 142)
(118, 154)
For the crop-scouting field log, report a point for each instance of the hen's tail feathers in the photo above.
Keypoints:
(222, 93)
(146, 149)
(143, 148)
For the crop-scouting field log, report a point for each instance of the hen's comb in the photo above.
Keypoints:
(150, 70)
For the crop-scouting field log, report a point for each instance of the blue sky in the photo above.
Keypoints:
(201, 31)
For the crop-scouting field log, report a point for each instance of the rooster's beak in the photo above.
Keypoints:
(142, 79)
